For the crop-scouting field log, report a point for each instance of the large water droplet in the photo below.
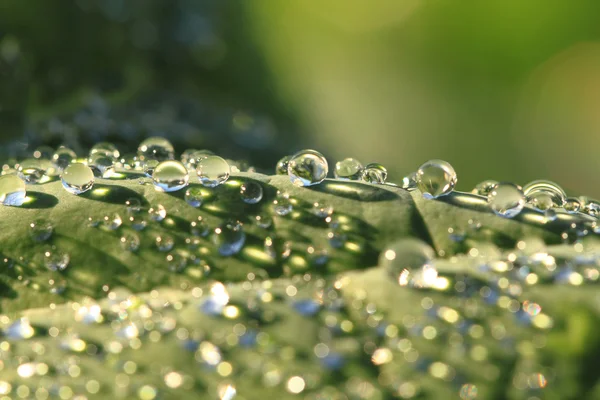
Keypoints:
(156, 148)
(251, 192)
(77, 178)
(12, 190)
(170, 176)
(506, 200)
(213, 171)
(229, 238)
(33, 170)
(543, 194)
(348, 169)
(374, 173)
(409, 263)
(307, 167)
(436, 178)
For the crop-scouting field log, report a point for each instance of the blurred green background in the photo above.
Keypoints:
(507, 90)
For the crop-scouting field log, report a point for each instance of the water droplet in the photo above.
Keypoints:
(484, 188)
(590, 206)
(133, 205)
(164, 243)
(193, 196)
(229, 238)
(375, 173)
(321, 210)
(107, 149)
(409, 263)
(409, 182)
(40, 230)
(277, 248)
(348, 169)
(176, 262)
(263, 220)
(572, 204)
(199, 228)
(32, 170)
(195, 157)
(130, 241)
(156, 148)
(63, 157)
(436, 178)
(213, 171)
(56, 260)
(77, 178)
(157, 212)
(148, 167)
(137, 217)
(20, 329)
(112, 222)
(307, 167)
(170, 176)
(101, 165)
(282, 165)
(543, 194)
(282, 205)
(43, 152)
(506, 200)
(12, 190)
(251, 192)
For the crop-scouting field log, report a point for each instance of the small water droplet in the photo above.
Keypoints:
(409, 263)
(12, 190)
(307, 167)
(484, 188)
(112, 221)
(157, 212)
(199, 228)
(282, 165)
(409, 182)
(543, 194)
(263, 220)
(130, 241)
(251, 192)
(77, 178)
(213, 171)
(148, 167)
(101, 165)
(105, 148)
(375, 173)
(170, 176)
(194, 197)
(56, 260)
(282, 205)
(176, 262)
(572, 204)
(63, 157)
(40, 230)
(43, 152)
(164, 243)
(436, 178)
(156, 148)
(229, 238)
(506, 200)
(321, 210)
(348, 169)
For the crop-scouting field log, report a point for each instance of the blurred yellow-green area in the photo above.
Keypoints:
(506, 90)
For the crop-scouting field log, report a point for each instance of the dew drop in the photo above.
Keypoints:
(148, 167)
(20, 329)
(213, 171)
(409, 182)
(112, 222)
(176, 262)
(282, 205)
(484, 188)
(43, 152)
(12, 190)
(130, 241)
(251, 192)
(282, 165)
(40, 230)
(77, 178)
(156, 148)
(107, 149)
(164, 243)
(263, 220)
(133, 205)
(170, 176)
(321, 210)
(101, 165)
(348, 169)
(543, 194)
(436, 178)
(199, 228)
(409, 263)
(157, 212)
(572, 205)
(56, 260)
(506, 200)
(63, 157)
(194, 197)
(374, 173)
(229, 238)
(307, 167)
(32, 170)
